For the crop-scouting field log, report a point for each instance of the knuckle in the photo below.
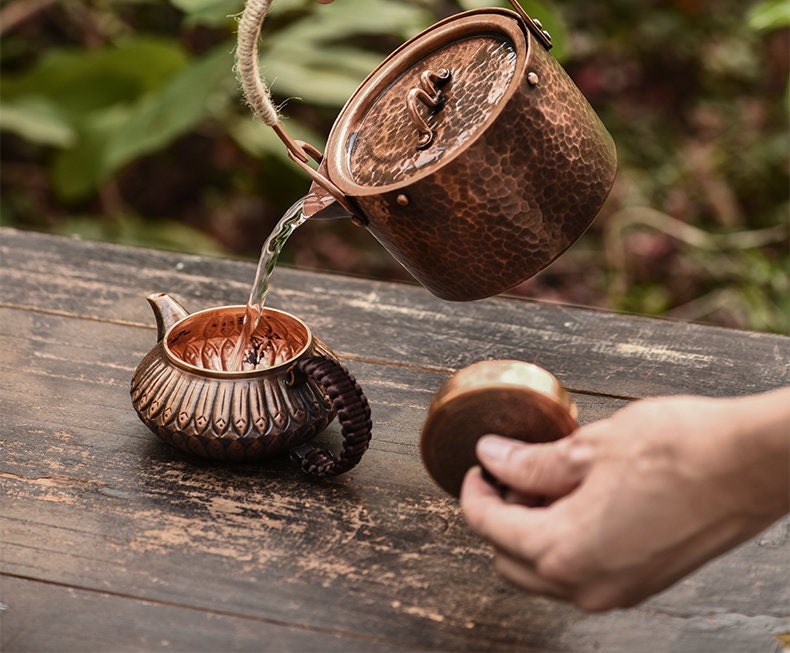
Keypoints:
(557, 566)
(578, 453)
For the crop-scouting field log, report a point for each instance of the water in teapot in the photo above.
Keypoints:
(251, 352)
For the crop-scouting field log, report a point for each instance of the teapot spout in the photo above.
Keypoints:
(167, 312)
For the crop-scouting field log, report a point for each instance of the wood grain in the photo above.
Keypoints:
(588, 350)
(111, 540)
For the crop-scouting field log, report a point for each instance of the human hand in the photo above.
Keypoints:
(624, 507)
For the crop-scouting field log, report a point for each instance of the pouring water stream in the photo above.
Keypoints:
(244, 355)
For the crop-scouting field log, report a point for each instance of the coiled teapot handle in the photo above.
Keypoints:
(353, 412)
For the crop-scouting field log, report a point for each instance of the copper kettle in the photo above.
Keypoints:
(468, 153)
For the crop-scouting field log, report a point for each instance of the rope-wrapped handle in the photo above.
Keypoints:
(256, 92)
(353, 412)
(260, 100)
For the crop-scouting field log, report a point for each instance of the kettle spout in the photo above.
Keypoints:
(167, 312)
(318, 203)
(324, 200)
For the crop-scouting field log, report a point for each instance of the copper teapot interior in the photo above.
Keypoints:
(206, 340)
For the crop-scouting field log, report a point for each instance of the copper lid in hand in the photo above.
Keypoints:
(511, 398)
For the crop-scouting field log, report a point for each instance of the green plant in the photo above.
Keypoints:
(122, 119)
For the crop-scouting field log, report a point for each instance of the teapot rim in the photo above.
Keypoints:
(235, 374)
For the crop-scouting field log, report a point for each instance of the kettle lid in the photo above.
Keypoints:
(428, 101)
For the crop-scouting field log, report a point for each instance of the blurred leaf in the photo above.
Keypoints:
(209, 13)
(647, 298)
(77, 170)
(325, 78)
(769, 15)
(36, 120)
(121, 133)
(344, 18)
(202, 89)
(307, 60)
(259, 140)
(133, 230)
(549, 17)
(93, 92)
(82, 81)
(217, 13)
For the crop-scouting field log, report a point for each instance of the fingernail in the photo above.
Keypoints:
(494, 448)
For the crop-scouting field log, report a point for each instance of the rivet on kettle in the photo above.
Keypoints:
(532, 78)
(402, 200)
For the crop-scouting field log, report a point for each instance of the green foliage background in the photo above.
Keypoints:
(122, 120)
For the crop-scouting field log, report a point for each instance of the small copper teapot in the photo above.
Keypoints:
(468, 153)
(183, 393)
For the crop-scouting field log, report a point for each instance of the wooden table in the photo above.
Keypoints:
(113, 541)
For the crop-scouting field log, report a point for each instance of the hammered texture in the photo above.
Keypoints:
(517, 197)
(385, 149)
(244, 418)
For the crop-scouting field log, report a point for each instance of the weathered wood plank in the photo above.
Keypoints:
(49, 617)
(98, 515)
(96, 504)
(589, 351)
(82, 621)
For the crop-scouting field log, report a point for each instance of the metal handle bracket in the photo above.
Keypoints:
(533, 25)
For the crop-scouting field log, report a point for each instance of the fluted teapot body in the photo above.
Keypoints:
(183, 391)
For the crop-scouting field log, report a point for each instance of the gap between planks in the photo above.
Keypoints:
(434, 369)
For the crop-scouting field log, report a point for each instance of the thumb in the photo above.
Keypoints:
(544, 469)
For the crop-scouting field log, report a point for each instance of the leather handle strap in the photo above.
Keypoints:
(353, 412)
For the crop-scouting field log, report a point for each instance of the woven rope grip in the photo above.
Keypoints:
(353, 412)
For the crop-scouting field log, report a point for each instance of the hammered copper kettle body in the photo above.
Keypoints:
(183, 393)
(468, 153)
